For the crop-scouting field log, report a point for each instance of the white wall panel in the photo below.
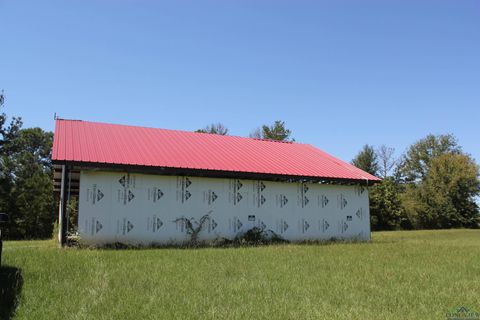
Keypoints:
(141, 208)
(95, 208)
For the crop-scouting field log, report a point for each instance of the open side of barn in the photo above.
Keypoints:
(143, 186)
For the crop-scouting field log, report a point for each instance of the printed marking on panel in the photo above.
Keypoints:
(209, 197)
(94, 194)
(282, 226)
(281, 200)
(183, 193)
(212, 225)
(304, 225)
(359, 190)
(155, 194)
(236, 189)
(235, 224)
(323, 201)
(323, 225)
(341, 201)
(94, 225)
(154, 223)
(342, 226)
(124, 226)
(259, 187)
(360, 213)
(302, 198)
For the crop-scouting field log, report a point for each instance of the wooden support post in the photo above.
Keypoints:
(62, 208)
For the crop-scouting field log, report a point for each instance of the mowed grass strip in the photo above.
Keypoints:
(398, 275)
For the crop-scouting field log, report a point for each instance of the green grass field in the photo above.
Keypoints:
(398, 275)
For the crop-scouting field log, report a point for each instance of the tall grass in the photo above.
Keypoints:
(398, 275)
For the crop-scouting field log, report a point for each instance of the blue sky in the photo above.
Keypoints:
(340, 73)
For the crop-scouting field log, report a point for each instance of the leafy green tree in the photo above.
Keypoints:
(32, 203)
(215, 128)
(277, 131)
(26, 181)
(386, 210)
(415, 165)
(367, 160)
(446, 196)
(8, 134)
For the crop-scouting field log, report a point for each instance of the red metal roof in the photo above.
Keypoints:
(92, 142)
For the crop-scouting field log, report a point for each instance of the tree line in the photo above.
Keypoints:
(433, 185)
(26, 179)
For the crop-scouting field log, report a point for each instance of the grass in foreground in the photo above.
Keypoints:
(399, 275)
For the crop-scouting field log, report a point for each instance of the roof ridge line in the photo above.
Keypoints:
(176, 130)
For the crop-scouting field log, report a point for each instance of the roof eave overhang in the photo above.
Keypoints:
(211, 173)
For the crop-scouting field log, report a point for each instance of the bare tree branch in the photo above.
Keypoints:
(386, 159)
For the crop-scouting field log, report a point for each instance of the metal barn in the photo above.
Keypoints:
(137, 185)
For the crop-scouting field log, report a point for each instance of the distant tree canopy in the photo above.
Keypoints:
(277, 131)
(434, 185)
(9, 132)
(415, 164)
(445, 198)
(367, 160)
(386, 208)
(26, 182)
(214, 128)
